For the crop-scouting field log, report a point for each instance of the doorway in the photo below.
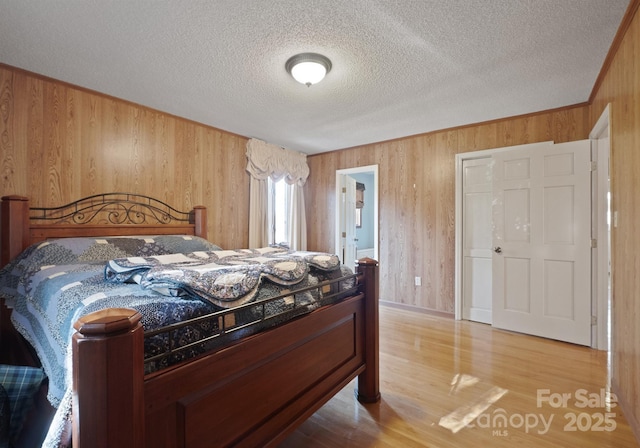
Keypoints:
(356, 237)
(602, 222)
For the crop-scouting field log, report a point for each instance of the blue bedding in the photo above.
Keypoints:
(51, 284)
(225, 278)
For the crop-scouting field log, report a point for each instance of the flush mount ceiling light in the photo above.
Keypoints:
(308, 68)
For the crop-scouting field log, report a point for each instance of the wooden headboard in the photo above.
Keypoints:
(108, 214)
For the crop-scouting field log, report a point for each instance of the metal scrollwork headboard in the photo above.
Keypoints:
(112, 208)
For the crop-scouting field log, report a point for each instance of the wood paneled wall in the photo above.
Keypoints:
(59, 143)
(621, 89)
(417, 198)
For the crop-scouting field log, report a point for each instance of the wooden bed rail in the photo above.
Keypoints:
(109, 390)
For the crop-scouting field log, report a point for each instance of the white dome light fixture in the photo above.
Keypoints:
(308, 68)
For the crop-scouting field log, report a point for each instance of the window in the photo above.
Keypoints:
(278, 210)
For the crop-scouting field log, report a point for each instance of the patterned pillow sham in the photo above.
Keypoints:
(101, 249)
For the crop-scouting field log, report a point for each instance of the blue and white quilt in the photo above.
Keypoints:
(51, 284)
(225, 278)
(167, 279)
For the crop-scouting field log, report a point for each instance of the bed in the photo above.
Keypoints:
(242, 386)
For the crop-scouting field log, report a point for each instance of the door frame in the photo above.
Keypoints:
(601, 286)
(356, 170)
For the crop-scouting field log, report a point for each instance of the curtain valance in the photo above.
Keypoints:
(266, 160)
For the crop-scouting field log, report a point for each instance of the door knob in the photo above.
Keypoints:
(497, 250)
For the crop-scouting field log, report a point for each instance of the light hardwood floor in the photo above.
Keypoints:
(437, 374)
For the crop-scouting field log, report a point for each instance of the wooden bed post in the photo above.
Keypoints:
(368, 390)
(200, 221)
(108, 384)
(15, 227)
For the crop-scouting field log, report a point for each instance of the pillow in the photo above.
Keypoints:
(22, 385)
(100, 249)
(82, 250)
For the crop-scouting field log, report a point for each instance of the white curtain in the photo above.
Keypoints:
(297, 219)
(258, 222)
(263, 161)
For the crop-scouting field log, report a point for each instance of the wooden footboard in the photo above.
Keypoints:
(251, 393)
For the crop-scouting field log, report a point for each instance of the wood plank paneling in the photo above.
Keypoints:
(620, 87)
(417, 197)
(59, 143)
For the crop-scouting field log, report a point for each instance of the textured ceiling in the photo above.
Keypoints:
(400, 67)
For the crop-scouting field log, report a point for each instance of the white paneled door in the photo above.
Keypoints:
(541, 261)
(477, 239)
